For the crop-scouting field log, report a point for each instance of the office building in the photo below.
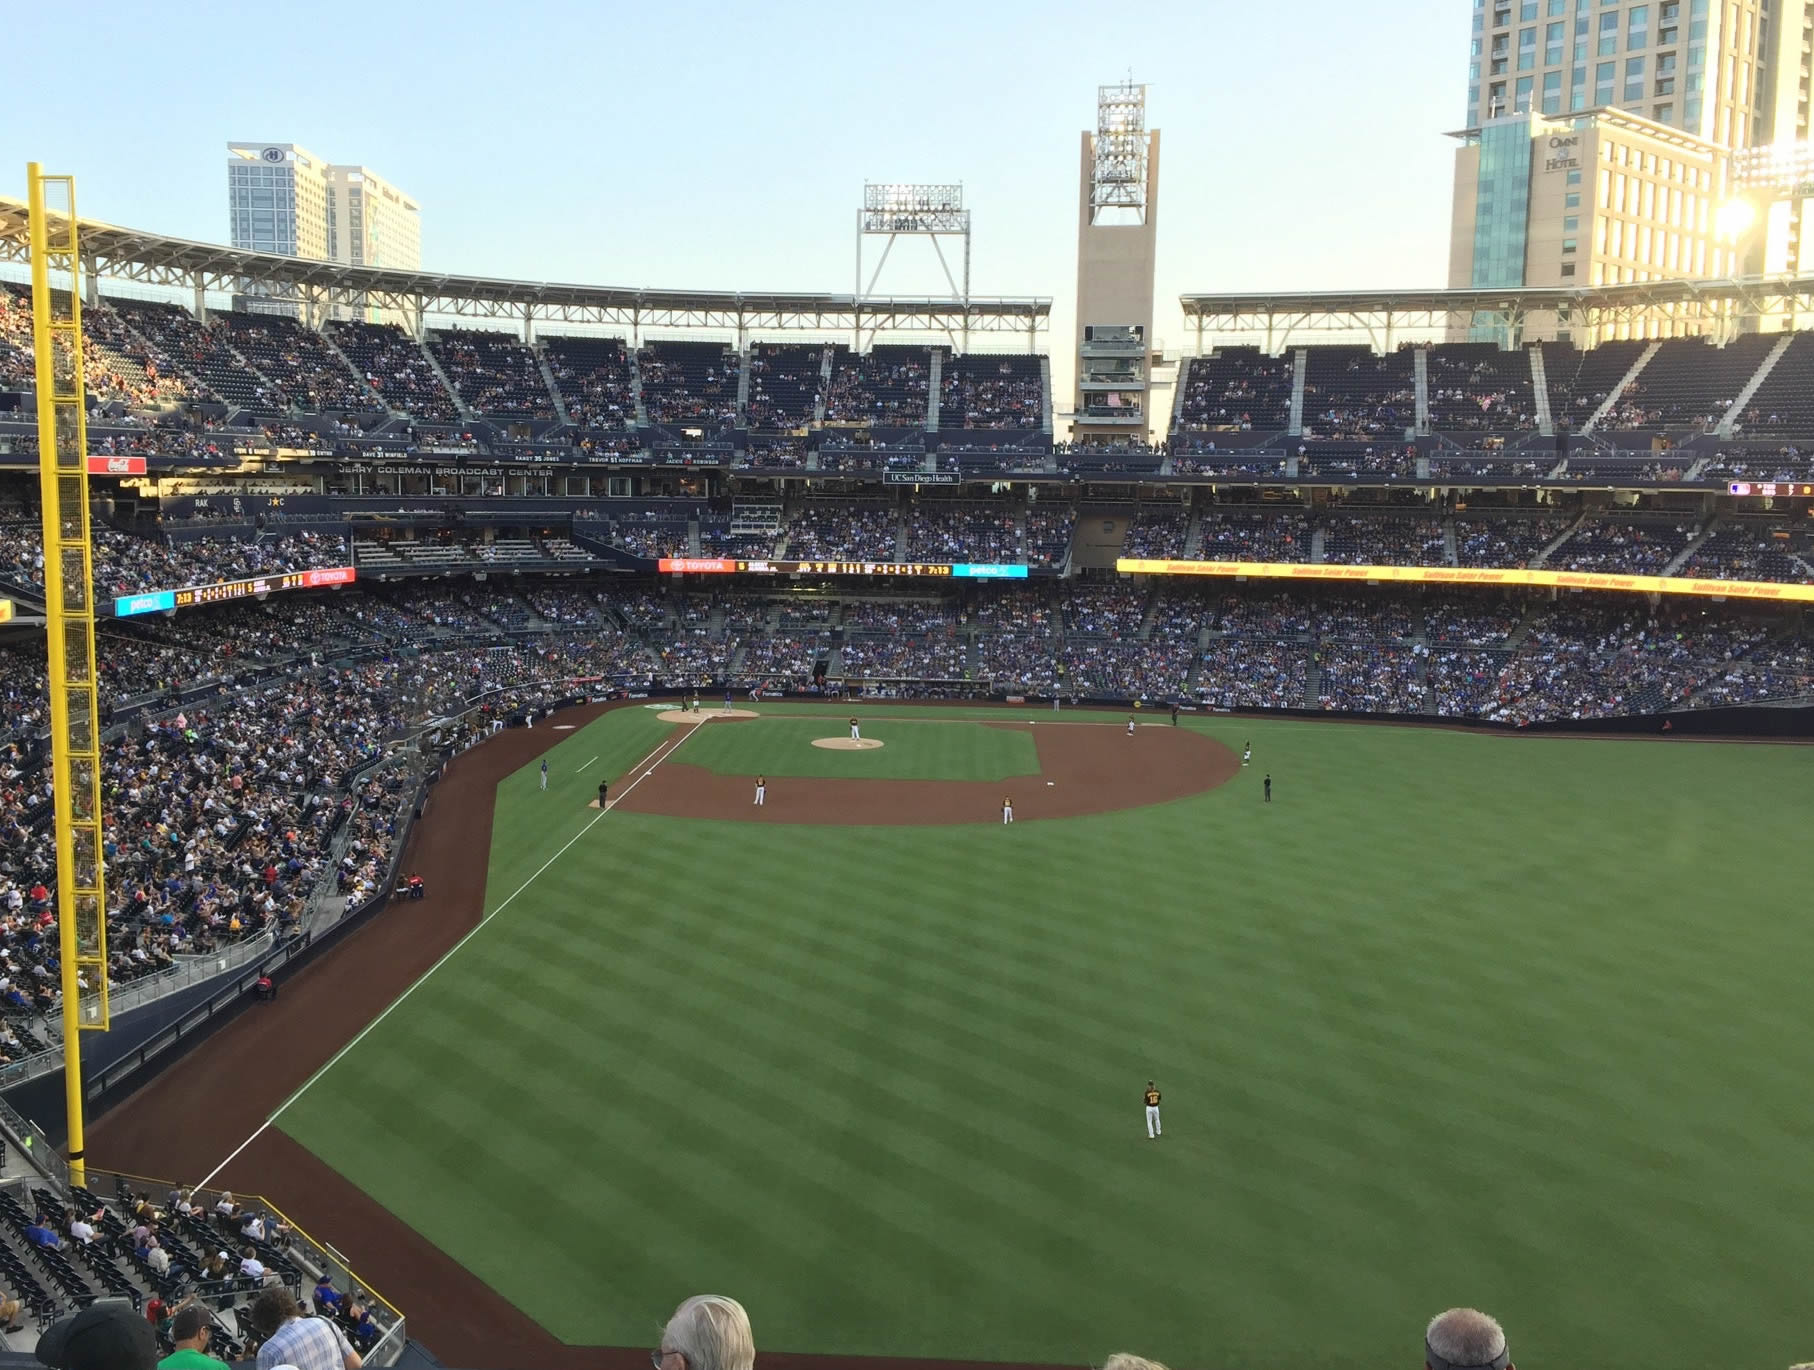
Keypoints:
(284, 199)
(1733, 72)
(371, 222)
(277, 200)
(1610, 142)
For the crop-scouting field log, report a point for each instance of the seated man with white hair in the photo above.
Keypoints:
(1465, 1339)
(707, 1332)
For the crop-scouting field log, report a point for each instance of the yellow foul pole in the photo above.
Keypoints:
(69, 629)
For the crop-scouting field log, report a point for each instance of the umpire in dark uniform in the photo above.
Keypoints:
(604, 791)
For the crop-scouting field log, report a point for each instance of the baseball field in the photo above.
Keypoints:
(1508, 1021)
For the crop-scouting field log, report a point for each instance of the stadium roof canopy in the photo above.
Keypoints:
(154, 259)
(1699, 306)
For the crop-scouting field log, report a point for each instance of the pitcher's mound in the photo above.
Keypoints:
(705, 715)
(846, 744)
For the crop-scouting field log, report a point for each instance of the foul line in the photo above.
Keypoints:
(647, 768)
(584, 767)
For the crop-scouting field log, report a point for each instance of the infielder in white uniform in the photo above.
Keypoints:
(1130, 727)
(856, 733)
(761, 790)
(1007, 809)
(1153, 1130)
(1247, 754)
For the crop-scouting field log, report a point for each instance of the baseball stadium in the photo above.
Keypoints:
(525, 803)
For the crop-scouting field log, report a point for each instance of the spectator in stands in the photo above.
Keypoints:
(250, 1266)
(327, 1299)
(81, 1230)
(253, 1228)
(107, 1335)
(292, 1339)
(365, 1329)
(156, 1257)
(40, 1233)
(191, 1330)
(10, 1308)
(707, 1332)
(1465, 1339)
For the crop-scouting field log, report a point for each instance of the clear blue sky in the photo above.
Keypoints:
(726, 145)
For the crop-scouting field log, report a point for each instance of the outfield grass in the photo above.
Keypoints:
(911, 750)
(1504, 1021)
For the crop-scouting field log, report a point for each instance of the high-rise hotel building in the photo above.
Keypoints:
(282, 198)
(1605, 142)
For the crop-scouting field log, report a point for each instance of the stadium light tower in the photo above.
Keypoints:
(1776, 180)
(1117, 239)
(893, 211)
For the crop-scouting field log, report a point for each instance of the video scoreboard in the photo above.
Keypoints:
(1773, 489)
(158, 601)
(955, 570)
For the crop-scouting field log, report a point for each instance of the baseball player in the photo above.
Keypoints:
(544, 775)
(1007, 809)
(761, 790)
(1269, 789)
(1130, 727)
(727, 699)
(1247, 754)
(856, 733)
(1153, 1130)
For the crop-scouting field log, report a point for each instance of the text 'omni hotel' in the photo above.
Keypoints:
(1610, 142)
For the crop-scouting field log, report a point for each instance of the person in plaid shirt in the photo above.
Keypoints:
(293, 1339)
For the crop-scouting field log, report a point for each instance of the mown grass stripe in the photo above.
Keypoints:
(1450, 1021)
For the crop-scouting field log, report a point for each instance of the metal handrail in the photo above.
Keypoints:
(190, 970)
(317, 1257)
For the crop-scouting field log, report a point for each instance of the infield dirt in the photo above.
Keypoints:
(1084, 768)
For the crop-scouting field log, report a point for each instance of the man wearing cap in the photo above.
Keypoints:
(1465, 1339)
(327, 1298)
(292, 1339)
(107, 1335)
(191, 1332)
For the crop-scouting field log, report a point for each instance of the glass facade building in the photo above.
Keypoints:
(283, 199)
(1502, 180)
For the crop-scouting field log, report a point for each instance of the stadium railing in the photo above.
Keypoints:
(316, 1257)
(35, 1146)
(188, 971)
